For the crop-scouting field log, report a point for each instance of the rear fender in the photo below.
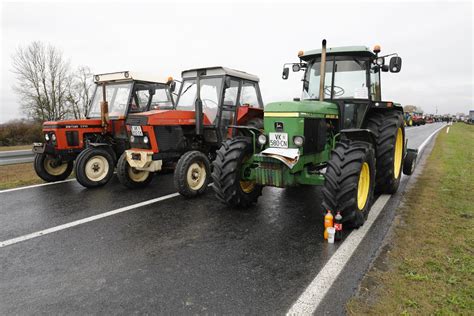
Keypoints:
(356, 134)
(107, 147)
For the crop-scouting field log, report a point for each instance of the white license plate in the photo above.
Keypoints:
(137, 131)
(278, 140)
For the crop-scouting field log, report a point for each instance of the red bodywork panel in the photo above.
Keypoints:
(177, 117)
(82, 127)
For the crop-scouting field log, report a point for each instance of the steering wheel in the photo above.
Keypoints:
(338, 91)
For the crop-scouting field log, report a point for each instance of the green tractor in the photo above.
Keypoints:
(339, 135)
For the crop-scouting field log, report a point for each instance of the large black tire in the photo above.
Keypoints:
(389, 145)
(409, 163)
(94, 167)
(345, 187)
(50, 169)
(226, 174)
(192, 174)
(130, 177)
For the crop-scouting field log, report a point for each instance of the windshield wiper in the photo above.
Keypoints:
(188, 88)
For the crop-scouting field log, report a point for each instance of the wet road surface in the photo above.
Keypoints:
(174, 256)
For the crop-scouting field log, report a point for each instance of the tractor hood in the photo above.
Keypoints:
(319, 109)
(165, 117)
(83, 123)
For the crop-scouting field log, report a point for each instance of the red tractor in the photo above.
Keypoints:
(209, 102)
(96, 142)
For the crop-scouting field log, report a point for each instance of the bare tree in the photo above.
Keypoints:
(42, 74)
(80, 91)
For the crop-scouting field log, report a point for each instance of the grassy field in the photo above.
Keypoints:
(17, 175)
(20, 147)
(428, 268)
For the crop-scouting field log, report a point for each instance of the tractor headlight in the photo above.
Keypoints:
(380, 61)
(145, 139)
(132, 139)
(53, 137)
(46, 136)
(262, 139)
(298, 141)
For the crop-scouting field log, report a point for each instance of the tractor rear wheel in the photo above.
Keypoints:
(94, 167)
(52, 169)
(390, 142)
(226, 174)
(350, 181)
(131, 177)
(192, 174)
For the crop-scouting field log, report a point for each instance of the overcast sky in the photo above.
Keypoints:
(435, 40)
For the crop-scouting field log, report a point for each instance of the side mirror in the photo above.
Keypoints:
(395, 64)
(286, 72)
(172, 86)
(296, 67)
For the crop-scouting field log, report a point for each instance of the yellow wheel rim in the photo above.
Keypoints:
(53, 169)
(247, 186)
(196, 175)
(137, 175)
(398, 154)
(97, 168)
(363, 187)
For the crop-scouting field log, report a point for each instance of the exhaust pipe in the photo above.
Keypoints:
(322, 71)
(198, 106)
(104, 110)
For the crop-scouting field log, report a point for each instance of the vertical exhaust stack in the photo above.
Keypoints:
(104, 110)
(198, 106)
(322, 71)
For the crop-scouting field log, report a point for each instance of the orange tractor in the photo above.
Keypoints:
(96, 142)
(210, 101)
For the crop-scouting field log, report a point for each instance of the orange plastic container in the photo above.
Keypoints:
(328, 222)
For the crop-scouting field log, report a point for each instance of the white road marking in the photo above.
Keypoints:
(84, 220)
(314, 294)
(447, 130)
(36, 185)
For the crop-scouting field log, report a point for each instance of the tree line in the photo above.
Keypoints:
(48, 88)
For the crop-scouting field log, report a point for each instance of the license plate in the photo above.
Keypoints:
(278, 140)
(137, 131)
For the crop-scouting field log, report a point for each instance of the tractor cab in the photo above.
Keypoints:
(220, 97)
(351, 80)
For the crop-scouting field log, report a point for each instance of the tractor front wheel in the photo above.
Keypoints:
(131, 177)
(94, 167)
(226, 174)
(52, 169)
(192, 174)
(350, 181)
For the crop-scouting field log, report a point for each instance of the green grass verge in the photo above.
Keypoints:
(20, 147)
(429, 266)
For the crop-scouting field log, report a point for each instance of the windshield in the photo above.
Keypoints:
(210, 93)
(151, 96)
(117, 97)
(350, 79)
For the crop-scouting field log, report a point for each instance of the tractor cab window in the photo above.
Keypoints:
(350, 79)
(375, 84)
(353, 114)
(228, 108)
(210, 92)
(117, 96)
(249, 95)
(150, 96)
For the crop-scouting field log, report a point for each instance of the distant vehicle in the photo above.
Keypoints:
(418, 119)
(471, 117)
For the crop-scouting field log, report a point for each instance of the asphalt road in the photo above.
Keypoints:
(175, 256)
